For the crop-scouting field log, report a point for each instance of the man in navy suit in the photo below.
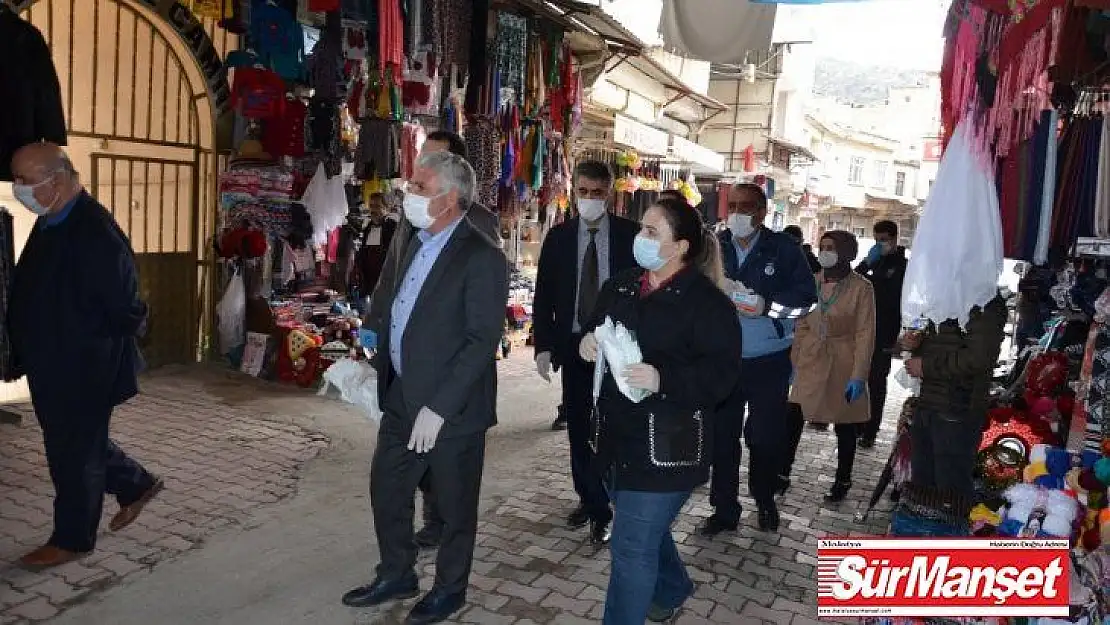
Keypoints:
(578, 256)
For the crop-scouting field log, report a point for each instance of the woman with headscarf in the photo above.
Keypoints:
(832, 357)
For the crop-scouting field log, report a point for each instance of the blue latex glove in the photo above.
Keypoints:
(874, 254)
(368, 338)
(854, 390)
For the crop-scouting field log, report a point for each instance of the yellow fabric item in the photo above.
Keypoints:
(299, 343)
(211, 9)
(1034, 470)
(983, 514)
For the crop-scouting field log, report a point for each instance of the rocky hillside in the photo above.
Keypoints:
(854, 83)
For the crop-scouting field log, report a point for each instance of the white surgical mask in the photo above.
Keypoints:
(740, 225)
(827, 259)
(591, 210)
(416, 211)
(646, 252)
(25, 193)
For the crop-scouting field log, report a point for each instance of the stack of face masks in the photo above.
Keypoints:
(617, 349)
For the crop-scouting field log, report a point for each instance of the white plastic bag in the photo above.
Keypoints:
(957, 251)
(907, 381)
(619, 349)
(231, 313)
(357, 384)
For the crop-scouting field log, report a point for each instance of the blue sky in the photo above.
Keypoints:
(901, 33)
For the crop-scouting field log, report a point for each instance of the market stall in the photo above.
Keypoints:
(331, 106)
(1024, 176)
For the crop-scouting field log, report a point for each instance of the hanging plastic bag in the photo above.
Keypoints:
(357, 384)
(907, 381)
(231, 313)
(957, 251)
(619, 349)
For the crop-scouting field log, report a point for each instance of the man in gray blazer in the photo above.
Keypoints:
(486, 222)
(437, 385)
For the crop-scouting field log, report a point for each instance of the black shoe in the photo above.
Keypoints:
(579, 518)
(559, 424)
(768, 519)
(716, 524)
(382, 591)
(435, 607)
(600, 533)
(784, 485)
(838, 492)
(429, 536)
(866, 442)
(820, 427)
(657, 614)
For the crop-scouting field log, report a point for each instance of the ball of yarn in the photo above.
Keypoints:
(1091, 539)
(1102, 471)
(1072, 480)
(1039, 453)
(1088, 481)
(1088, 458)
(1034, 470)
(1058, 461)
(1057, 525)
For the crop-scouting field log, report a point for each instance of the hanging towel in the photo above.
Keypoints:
(1102, 189)
(1048, 191)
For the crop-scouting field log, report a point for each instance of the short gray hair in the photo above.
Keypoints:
(454, 173)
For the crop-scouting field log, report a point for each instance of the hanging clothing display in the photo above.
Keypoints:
(29, 89)
(278, 40)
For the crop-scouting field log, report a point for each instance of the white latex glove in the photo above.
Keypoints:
(750, 305)
(543, 365)
(425, 431)
(587, 349)
(642, 376)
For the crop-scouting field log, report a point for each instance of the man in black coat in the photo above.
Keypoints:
(577, 257)
(885, 267)
(437, 386)
(486, 222)
(73, 317)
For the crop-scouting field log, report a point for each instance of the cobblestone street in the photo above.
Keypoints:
(234, 468)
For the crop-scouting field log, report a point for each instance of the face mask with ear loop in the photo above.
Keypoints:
(25, 193)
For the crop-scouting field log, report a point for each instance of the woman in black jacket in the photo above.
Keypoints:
(655, 452)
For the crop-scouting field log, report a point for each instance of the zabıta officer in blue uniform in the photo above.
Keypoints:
(772, 286)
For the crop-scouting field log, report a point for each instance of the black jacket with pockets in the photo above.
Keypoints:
(689, 331)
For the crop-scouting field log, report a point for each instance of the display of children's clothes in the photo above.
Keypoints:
(278, 39)
(420, 92)
(258, 93)
(379, 149)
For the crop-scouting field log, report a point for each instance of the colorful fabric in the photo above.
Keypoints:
(278, 40)
(258, 93)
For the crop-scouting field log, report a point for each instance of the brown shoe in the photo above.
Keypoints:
(48, 556)
(127, 514)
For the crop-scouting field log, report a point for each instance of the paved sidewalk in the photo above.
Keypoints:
(219, 464)
(247, 534)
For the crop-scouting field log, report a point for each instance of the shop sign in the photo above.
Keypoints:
(691, 152)
(944, 577)
(194, 36)
(933, 150)
(640, 137)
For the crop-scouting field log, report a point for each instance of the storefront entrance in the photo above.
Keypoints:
(142, 135)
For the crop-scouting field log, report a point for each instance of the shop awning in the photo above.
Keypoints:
(719, 31)
(583, 22)
(793, 148)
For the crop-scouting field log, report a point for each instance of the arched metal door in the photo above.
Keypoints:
(143, 136)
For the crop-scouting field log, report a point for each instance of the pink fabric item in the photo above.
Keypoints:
(333, 246)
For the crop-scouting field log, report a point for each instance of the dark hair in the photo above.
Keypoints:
(594, 170)
(756, 189)
(671, 194)
(886, 227)
(687, 225)
(795, 232)
(455, 143)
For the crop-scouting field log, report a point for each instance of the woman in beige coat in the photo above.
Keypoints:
(832, 357)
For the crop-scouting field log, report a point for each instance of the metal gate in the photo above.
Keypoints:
(152, 201)
(143, 136)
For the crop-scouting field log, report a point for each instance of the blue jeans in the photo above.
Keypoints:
(646, 567)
